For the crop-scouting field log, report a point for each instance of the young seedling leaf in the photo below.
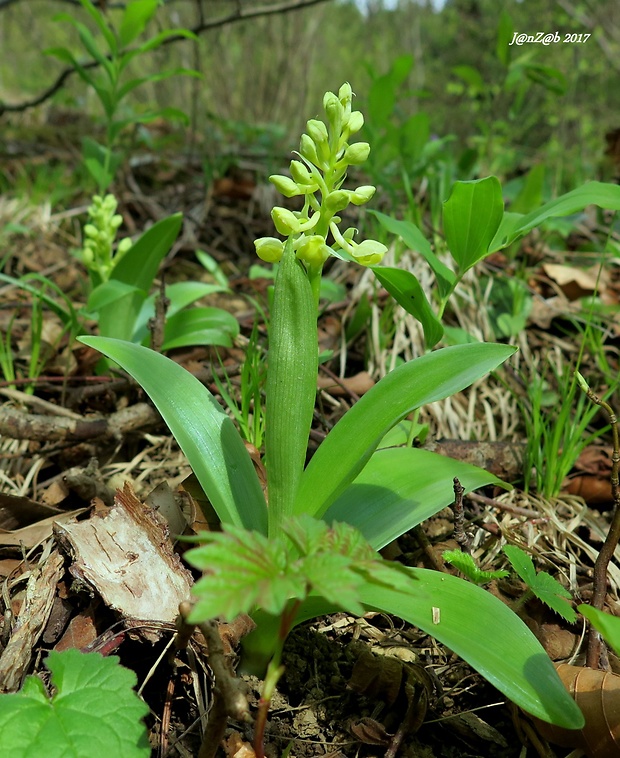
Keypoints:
(244, 570)
(93, 711)
(466, 565)
(543, 585)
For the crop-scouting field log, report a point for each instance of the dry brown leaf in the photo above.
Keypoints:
(597, 693)
(576, 282)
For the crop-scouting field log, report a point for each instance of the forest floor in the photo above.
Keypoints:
(72, 437)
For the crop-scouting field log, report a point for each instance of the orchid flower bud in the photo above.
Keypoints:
(301, 174)
(317, 131)
(307, 149)
(368, 252)
(285, 221)
(334, 111)
(285, 185)
(363, 194)
(357, 154)
(337, 200)
(356, 122)
(269, 249)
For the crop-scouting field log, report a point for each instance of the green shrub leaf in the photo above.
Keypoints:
(93, 711)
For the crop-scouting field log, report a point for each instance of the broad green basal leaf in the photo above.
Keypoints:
(349, 445)
(471, 217)
(487, 634)
(469, 621)
(401, 487)
(205, 434)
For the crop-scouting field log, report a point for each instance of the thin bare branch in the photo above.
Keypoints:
(239, 14)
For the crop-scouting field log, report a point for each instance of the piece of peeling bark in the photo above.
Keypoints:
(32, 620)
(126, 556)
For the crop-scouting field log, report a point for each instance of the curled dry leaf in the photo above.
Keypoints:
(597, 693)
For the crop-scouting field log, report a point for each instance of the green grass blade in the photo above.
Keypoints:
(349, 445)
(205, 434)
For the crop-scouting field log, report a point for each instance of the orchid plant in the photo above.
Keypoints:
(278, 561)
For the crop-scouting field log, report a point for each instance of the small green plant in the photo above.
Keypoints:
(91, 710)
(122, 281)
(112, 53)
(466, 565)
(378, 493)
(249, 411)
(556, 424)
(541, 584)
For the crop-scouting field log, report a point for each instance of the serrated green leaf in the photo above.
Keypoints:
(93, 712)
(521, 563)
(466, 565)
(553, 594)
(543, 585)
(245, 570)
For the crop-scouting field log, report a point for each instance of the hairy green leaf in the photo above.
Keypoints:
(93, 711)
(466, 565)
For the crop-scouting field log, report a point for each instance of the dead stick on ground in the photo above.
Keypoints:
(593, 659)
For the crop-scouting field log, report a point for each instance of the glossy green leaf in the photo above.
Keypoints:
(592, 193)
(139, 265)
(407, 291)
(487, 634)
(205, 434)
(291, 384)
(471, 216)
(93, 711)
(135, 17)
(417, 242)
(607, 625)
(180, 295)
(200, 326)
(469, 621)
(401, 487)
(349, 445)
